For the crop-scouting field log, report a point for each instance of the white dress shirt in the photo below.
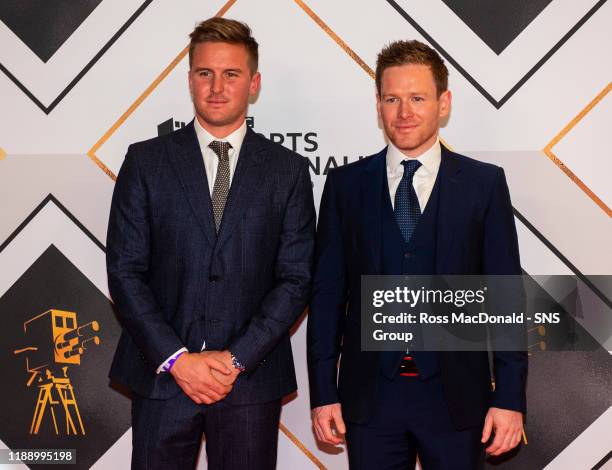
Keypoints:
(211, 161)
(211, 164)
(424, 178)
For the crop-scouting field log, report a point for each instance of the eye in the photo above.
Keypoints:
(204, 73)
(231, 74)
(418, 99)
(391, 99)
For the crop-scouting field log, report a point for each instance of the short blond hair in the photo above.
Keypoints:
(219, 29)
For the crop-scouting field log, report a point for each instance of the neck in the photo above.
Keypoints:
(220, 132)
(422, 149)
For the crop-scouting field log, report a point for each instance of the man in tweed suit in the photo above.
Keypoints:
(210, 247)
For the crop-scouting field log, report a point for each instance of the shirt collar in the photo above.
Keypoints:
(430, 159)
(205, 138)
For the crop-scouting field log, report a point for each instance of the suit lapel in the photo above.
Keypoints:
(247, 179)
(187, 161)
(373, 182)
(449, 209)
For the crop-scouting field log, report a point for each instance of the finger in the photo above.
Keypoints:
(517, 438)
(338, 421)
(196, 399)
(191, 392)
(325, 429)
(209, 398)
(208, 401)
(487, 428)
(210, 393)
(502, 448)
(338, 430)
(218, 366)
(500, 436)
(212, 384)
(328, 434)
(318, 432)
(224, 379)
(507, 444)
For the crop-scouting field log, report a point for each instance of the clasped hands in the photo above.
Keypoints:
(205, 377)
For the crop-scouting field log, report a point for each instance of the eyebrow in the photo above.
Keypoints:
(200, 69)
(412, 93)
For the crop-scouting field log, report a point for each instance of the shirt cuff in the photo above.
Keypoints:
(164, 365)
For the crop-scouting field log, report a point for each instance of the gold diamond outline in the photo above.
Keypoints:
(2, 154)
(568, 127)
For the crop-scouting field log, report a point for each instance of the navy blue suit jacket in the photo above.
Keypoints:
(175, 282)
(475, 235)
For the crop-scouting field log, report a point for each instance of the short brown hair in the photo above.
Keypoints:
(219, 29)
(412, 52)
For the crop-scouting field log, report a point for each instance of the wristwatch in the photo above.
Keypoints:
(236, 363)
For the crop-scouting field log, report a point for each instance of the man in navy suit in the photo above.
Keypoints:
(209, 255)
(415, 208)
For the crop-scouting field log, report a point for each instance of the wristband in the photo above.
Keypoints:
(171, 362)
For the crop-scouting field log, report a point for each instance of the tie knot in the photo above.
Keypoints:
(410, 168)
(221, 149)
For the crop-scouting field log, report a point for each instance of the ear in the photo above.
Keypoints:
(378, 106)
(445, 103)
(190, 81)
(255, 84)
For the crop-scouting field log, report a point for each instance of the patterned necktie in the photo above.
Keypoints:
(222, 181)
(407, 210)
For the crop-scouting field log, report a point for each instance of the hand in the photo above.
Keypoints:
(508, 427)
(193, 373)
(226, 358)
(322, 419)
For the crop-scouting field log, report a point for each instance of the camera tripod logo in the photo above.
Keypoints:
(56, 341)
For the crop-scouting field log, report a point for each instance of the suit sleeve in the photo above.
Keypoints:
(501, 257)
(293, 272)
(128, 260)
(327, 308)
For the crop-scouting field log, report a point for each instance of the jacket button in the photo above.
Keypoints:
(213, 278)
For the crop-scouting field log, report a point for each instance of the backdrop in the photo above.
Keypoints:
(82, 80)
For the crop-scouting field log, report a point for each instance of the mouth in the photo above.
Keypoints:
(406, 127)
(216, 101)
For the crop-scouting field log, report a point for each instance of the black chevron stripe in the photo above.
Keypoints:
(82, 73)
(497, 103)
(51, 198)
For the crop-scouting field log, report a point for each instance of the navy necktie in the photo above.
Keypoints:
(407, 210)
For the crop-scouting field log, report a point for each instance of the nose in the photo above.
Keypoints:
(405, 109)
(217, 85)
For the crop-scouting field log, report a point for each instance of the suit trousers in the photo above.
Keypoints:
(166, 434)
(411, 419)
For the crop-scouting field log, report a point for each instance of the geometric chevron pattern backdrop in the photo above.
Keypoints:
(531, 83)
